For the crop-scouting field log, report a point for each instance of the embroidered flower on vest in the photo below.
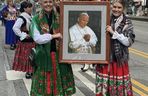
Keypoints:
(44, 27)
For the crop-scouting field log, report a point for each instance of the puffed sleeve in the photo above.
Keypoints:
(127, 37)
(17, 29)
(37, 37)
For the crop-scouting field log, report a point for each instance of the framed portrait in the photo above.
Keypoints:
(83, 27)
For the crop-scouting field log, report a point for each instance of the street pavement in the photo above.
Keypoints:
(139, 18)
(11, 82)
(14, 83)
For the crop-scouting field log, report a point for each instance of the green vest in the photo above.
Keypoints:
(43, 58)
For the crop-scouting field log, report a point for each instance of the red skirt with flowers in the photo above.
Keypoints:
(113, 80)
(57, 82)
(21, 59)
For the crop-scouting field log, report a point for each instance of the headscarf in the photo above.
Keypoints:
(124, 26)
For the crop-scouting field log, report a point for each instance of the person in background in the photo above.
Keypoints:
(9, 14)
(114, 79)
(25, 42)
(138, 7)
(51, 78)
(82, 38)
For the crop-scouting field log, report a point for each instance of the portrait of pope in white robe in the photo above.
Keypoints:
(82, 38)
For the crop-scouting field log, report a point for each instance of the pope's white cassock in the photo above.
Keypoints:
(77, 43)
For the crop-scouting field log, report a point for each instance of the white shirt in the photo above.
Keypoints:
(17, 26)
(124, 40)
(40, 38)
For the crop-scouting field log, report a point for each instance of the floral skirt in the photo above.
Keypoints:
(21, 59)
(58, 82)
(113, 80)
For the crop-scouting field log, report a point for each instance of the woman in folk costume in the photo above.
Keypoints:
(50, 77)
(25, 43)
(9, 14)
(114, 79)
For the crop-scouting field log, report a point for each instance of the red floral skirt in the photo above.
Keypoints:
(58, 82)
(21, 59)
(113, 80)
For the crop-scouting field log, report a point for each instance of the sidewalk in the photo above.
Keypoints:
(11, 82)
(139, 18)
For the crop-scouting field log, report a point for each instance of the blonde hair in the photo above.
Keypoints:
(7, 1)
(122, 2)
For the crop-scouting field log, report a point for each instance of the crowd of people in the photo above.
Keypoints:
(41, 31)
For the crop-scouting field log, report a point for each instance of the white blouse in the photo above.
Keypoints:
(124, 40)
(41, 38)
(17, 26)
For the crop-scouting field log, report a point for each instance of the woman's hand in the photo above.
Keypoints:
(109, 29)
(28, 36)
(57, 35)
